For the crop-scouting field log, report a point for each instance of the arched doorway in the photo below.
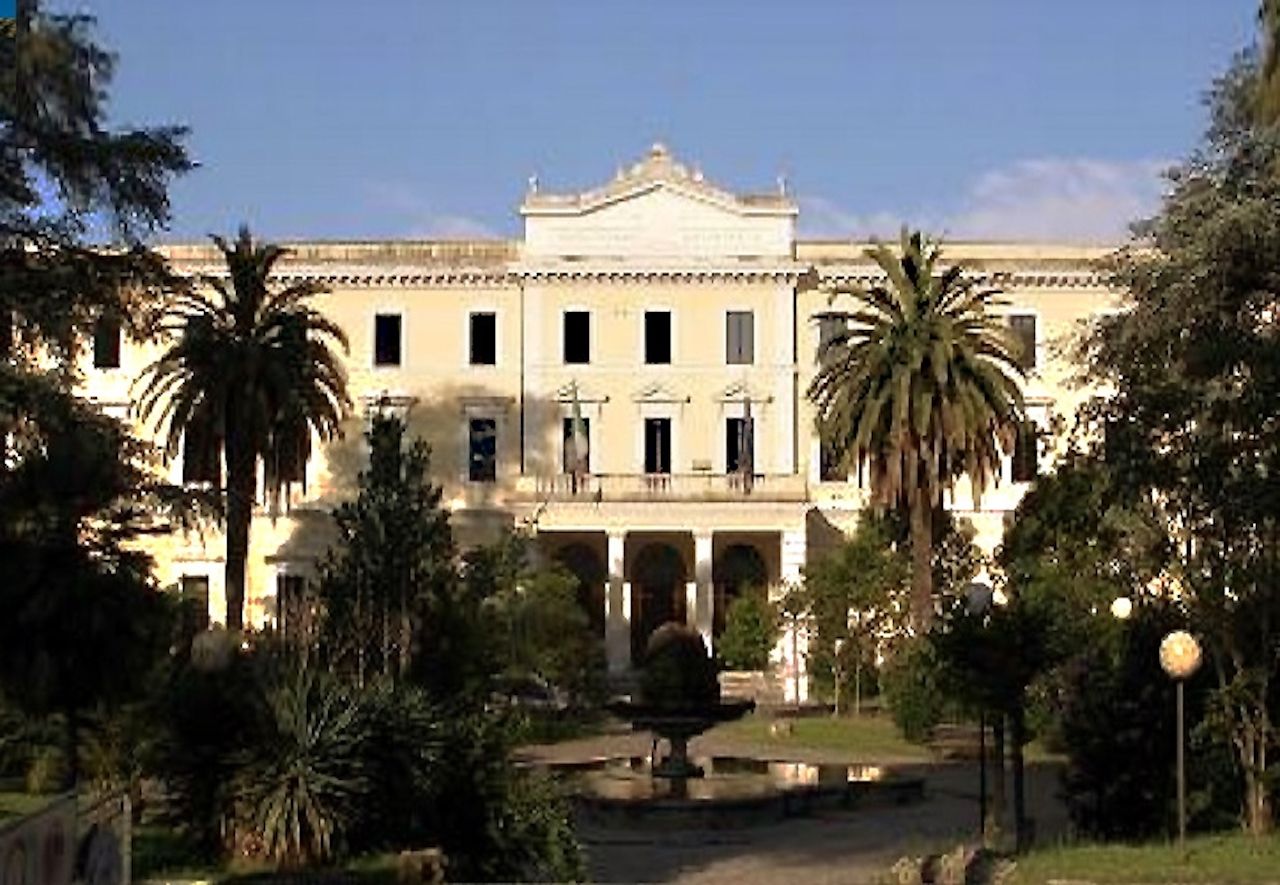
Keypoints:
(657, 593)
(739, 566)
(588, 568)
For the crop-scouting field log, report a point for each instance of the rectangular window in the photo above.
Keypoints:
(828, 328)
(657, 337)
(657, 445)
(739, 445)
(1026, 460)
(194, 590)
(482, 447)
(828, 464)
(386, 339)
(106, 343)
(1023, 328)
(577, 452)
(577, 337)
(739, 338)
(201, 458)
(291, 459)
(484, 339)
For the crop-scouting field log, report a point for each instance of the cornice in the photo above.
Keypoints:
(623, 271)
(594, 272)
(379, 277)
(1031, 278)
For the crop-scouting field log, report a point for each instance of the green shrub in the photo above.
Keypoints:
(494, 821)
(205, 720)
(301, 784)
(678, 674)
(403, 750)
(751, 629)
(1117, 726)
(300, 767)
(909, 682)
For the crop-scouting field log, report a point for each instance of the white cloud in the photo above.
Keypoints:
(1076, 199)
(419, 218)
(820, 217)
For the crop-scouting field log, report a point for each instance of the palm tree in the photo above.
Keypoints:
(920, 384)
(251, 375)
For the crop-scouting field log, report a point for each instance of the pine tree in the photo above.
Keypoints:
(388, 583)
(76, 199)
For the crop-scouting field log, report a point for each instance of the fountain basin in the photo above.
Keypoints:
(678, 727)
(733, 791)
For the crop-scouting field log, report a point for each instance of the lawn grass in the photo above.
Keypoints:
(1225, 857)
(871, 737)
(859, 738)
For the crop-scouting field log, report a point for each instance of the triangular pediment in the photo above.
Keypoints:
(741, 391)
(657, 392)
(657, 207)
(583, 393)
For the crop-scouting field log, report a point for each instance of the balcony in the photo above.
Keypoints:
(631, 487)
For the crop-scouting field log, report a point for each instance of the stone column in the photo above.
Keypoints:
(792, 555)
(795, 641)
(617, 609)
(704, 606)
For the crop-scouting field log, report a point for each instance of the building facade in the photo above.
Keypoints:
(627, 380)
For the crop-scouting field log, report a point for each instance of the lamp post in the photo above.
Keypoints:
(1180, 658)
(978, 599)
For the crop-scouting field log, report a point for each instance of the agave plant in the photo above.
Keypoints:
(301, 786)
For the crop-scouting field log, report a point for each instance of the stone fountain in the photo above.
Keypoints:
(679, 698)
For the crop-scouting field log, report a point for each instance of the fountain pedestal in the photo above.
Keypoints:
(677, 729)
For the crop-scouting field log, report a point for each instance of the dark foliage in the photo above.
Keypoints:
(910, 681)
(81, 625)
(1116, 714)
(677, 672)
(388, 585)
(752, 626)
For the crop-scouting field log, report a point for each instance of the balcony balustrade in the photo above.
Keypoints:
(602, 487)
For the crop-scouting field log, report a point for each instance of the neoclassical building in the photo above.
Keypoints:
(627, 380)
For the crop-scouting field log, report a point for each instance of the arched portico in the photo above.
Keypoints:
(633, 581)
(659, 579)
(738, 566)
(586, 563)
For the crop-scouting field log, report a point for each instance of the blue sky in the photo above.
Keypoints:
(406, 118)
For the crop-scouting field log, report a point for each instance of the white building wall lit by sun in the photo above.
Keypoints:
(669, 312)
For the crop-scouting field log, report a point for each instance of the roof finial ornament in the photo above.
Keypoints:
(782, 184)
(533, 184)
(659, 151)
